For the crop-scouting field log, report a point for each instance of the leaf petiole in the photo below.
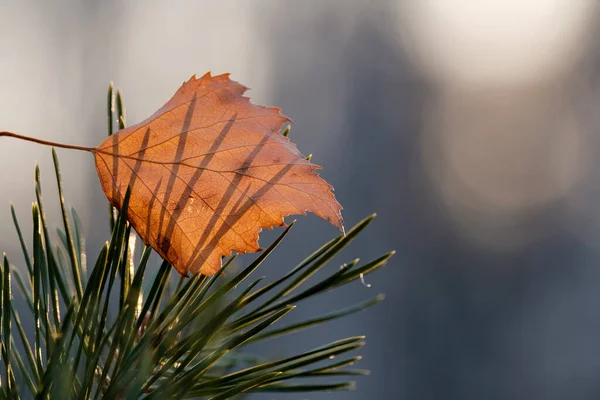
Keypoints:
(47, 143)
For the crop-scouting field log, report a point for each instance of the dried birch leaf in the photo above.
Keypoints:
(207, 172)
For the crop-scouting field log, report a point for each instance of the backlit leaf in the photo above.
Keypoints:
(207, 172)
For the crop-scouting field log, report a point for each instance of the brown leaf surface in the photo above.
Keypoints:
(207, 172)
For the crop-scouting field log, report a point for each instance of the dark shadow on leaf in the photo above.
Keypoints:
(175, 169)
(238, 211)
(135, 171)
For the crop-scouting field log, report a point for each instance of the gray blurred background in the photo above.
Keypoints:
(470, 127)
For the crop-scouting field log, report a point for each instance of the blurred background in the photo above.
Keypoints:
(469, 126)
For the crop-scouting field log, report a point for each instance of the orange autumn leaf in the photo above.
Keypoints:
(207, 172)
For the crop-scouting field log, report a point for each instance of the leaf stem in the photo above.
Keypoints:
(47, 143)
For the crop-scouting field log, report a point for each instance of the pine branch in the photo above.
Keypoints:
(177, 340)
